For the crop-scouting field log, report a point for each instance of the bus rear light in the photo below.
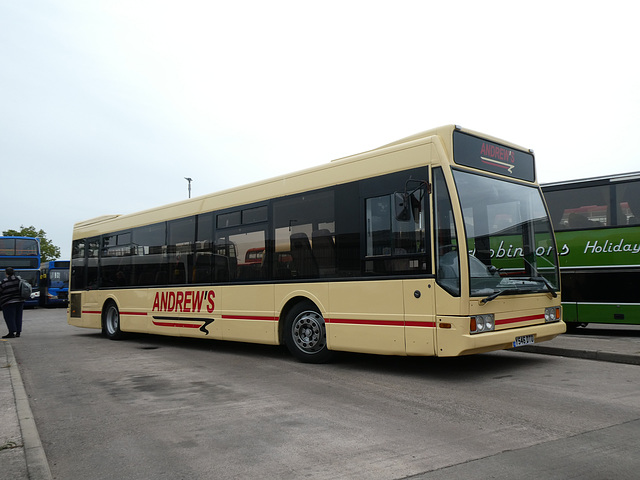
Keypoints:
(551, 314)
(482, 323)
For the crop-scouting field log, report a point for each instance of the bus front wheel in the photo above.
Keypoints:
(305, 334)
(111, 322)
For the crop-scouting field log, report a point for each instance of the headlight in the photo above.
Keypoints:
(482, 323)
(551, 314)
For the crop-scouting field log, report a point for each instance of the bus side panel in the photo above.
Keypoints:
(366, 317)
(84, 310)
(570, 312)
(608, 313)
(246, 313)
(420, 319)
(186, 312)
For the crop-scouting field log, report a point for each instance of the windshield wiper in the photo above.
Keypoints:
(493, 296)
(539, 279)
(552, 291)
(515, 291)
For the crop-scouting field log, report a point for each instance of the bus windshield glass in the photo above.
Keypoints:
(58, 278)
(509, 238)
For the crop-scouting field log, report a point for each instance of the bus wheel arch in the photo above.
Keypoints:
(302, 329)
(111, 321)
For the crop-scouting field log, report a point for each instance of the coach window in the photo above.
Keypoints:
(347, 237)
(26, 247)
(628, 203)
(204, 260)
(231, 219)
(115, 260)
(240, 251)
(78, 264)
(254, 215)
(447, 252)
(305, 235)
(181, 246)
(149, 262)
(92, 247)
(580, 208)
(395, 223)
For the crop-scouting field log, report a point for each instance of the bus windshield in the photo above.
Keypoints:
(58, 278)
(509, 237)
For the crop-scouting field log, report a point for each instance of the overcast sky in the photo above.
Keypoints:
(107, 105)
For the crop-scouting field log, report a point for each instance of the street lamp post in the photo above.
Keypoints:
(189, 179)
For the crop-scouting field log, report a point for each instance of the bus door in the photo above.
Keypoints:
(419, 316)
(398, 245)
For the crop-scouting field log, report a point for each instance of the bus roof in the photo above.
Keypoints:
(619, 177)
(316, 177)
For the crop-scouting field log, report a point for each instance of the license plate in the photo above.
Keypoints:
(524, 340)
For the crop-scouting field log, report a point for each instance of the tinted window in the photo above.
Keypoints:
(628, 203)
(150, 259)
(229, 219)
(254, 215)
(580, 208)
(447, 249)
(115, 263)
(78, 264)
(240, 253)
(181, 249)
(305, 245)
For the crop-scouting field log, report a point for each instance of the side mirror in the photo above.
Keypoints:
(403, 207)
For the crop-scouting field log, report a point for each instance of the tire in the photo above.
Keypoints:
(111, 322)
(305, 334)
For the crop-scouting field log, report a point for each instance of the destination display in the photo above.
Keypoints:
(475, 152)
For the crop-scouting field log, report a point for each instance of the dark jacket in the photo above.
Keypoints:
(10, 290)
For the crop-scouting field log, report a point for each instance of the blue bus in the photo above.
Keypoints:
(54, 283)
(23, 254)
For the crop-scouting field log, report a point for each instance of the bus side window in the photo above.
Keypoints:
(628, 199)
(447, 251)
(305, 235)
(578, 208)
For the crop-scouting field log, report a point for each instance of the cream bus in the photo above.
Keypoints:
(437, 244)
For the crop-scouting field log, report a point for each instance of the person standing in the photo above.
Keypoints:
(11, 303)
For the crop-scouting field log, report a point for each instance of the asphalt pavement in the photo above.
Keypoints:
(23, 458)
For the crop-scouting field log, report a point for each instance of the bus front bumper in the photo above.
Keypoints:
(451, 343)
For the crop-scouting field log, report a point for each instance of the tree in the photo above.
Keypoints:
(48, 250)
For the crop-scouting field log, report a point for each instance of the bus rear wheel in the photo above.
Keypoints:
(111, 322)
(305, 334)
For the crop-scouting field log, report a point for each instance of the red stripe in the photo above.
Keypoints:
(495, 164)
(364, 322)
(520, 319)
(249, 317)
(420, 324)
(175, 324)
(391, 323)
(98, 312)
